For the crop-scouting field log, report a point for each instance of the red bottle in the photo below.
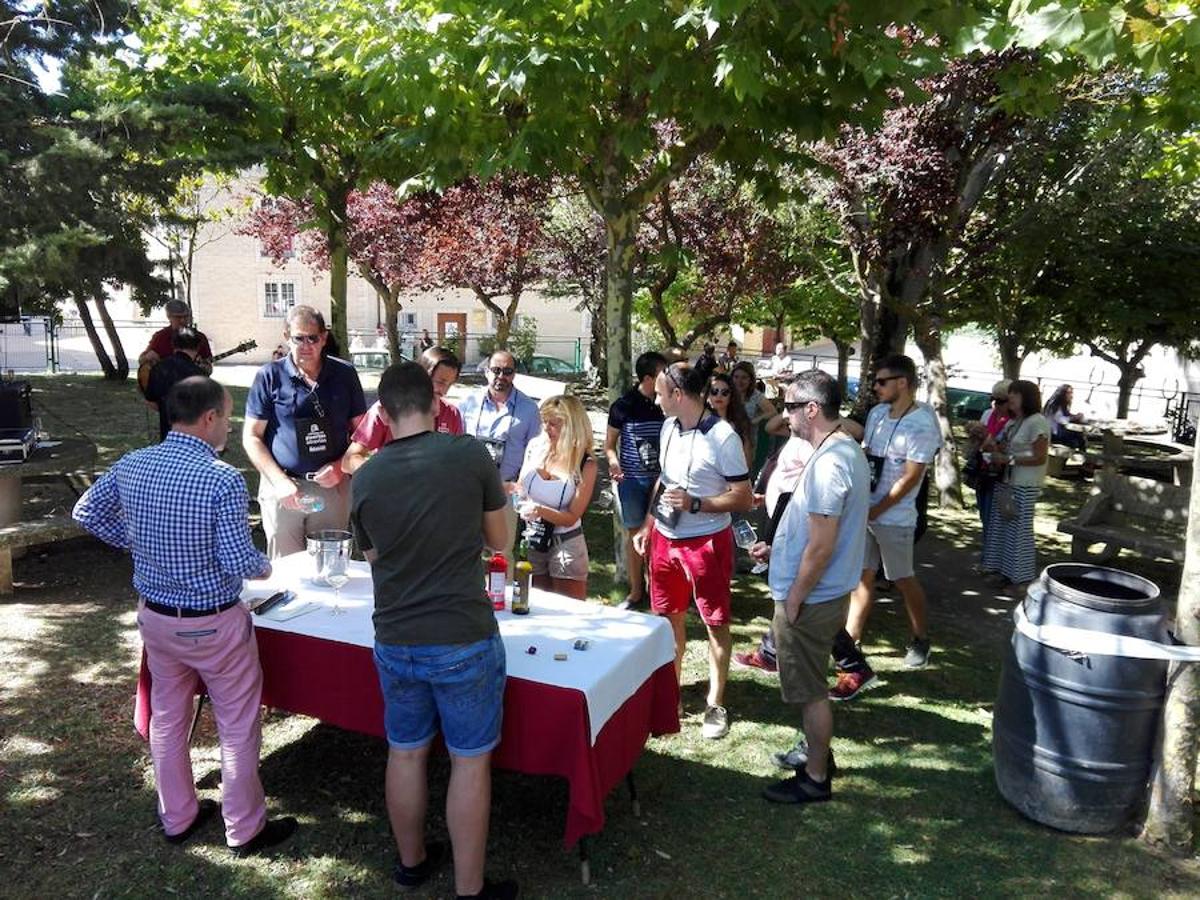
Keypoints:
(497, 574)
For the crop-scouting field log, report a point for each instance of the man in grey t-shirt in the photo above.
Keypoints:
(816, 559)
(902, 437)
(422, 508)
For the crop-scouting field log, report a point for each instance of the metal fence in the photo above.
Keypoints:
(470, 346)
(37, 344)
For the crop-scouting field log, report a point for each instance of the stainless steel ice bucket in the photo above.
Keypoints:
(330, 551)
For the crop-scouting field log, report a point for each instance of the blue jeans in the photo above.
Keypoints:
(459, 685)
(634, 494)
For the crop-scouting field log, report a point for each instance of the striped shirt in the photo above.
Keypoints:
(183, 515)
(639, 420)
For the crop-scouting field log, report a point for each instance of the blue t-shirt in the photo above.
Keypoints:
(914, 437)
(836, 482)
(508, 429)
(280, 397)
(639, 420)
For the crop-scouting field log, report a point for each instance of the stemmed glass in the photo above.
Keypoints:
(746, 537)
(338, 580)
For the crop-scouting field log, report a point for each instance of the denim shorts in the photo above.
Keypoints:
(459, 685)
(634, 494)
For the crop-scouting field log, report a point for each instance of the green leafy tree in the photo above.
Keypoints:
(305, 92)
(623, 97)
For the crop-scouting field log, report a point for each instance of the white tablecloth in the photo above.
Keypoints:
(625, 647)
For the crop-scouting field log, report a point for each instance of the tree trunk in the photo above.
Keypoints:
(928, 336)
(1131, 373)
(620, 238)
(1011, 357)
(339, 260)
(121, 364)
(843, 352)
(85, 316)
(391, 308)
(1170, 815)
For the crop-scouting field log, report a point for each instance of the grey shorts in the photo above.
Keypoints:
(893, 545)
(566, 560)
(803, 648)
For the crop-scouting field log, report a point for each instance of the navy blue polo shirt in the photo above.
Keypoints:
(280, 396)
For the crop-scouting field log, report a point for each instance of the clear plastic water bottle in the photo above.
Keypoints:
(310, 503)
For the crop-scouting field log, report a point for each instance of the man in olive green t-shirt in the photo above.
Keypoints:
(422, 509)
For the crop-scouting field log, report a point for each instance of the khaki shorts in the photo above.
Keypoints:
(893, 546)
(803, 649)
(567, 560)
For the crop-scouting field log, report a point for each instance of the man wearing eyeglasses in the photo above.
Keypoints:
(300, 413)
(902, 438)
(687, 537)
(505, 421)
(816, 559)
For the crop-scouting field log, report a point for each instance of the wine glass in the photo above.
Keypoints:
(746, 537)
(338, 580)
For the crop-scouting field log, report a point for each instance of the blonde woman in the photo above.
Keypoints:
(556, 482)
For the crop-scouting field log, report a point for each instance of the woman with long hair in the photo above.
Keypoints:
(758, 408)
(726, 401)
(1021, 451)
(1058, 412)
(557, 481)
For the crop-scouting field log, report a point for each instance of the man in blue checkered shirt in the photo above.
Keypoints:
(182, 513)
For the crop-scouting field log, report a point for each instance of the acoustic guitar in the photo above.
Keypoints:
(144, 370)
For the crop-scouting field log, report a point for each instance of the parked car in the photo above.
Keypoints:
(538, 365)
(373, 360)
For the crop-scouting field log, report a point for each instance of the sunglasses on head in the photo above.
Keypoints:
(718, 392)
(300, 339)
(502, 370)
(885, 379)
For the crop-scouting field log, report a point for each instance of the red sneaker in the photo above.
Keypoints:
(755, 660)
(850, 684)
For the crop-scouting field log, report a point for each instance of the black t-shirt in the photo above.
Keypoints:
(164, 376)
(419, 503)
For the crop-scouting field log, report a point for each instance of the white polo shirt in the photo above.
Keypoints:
(703, 461)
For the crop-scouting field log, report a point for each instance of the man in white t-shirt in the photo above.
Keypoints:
(901, 438)
(686, 539)
(816, 560)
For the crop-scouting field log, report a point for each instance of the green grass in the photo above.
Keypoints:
(916, 811)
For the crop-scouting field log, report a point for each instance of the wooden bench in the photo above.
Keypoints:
(26, 534)
(1129, 512)
(1059, 457)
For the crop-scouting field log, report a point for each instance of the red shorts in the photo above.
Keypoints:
(687, 569)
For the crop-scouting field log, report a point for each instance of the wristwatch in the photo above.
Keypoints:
(695, 507)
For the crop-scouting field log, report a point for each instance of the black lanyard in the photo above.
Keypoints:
(888, 445)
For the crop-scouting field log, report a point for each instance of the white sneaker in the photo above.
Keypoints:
(716, 723)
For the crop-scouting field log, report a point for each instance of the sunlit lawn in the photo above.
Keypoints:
(916, 812)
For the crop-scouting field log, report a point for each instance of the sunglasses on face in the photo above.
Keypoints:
(301, 339)
(793, 405)
(718, 392)
(885, 379)
(502, 370)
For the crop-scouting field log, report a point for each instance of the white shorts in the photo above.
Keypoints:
(893, 545)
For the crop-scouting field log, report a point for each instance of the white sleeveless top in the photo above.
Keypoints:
(552, 492)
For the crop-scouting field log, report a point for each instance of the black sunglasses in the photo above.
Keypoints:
(502, 370)
(793, 405)
(299, 339)
(718, 392)
(887, 378)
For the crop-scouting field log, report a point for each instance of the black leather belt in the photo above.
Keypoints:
(182, 612)
(566, 535)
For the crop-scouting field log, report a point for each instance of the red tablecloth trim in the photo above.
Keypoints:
(546, 729)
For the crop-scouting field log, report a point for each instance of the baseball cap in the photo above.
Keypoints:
(1000, 389)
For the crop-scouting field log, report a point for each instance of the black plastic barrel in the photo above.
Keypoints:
(1073, 734)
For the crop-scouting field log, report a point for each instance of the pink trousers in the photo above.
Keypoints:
(221, 650)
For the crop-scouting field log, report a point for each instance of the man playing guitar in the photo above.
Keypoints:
(179, 315)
